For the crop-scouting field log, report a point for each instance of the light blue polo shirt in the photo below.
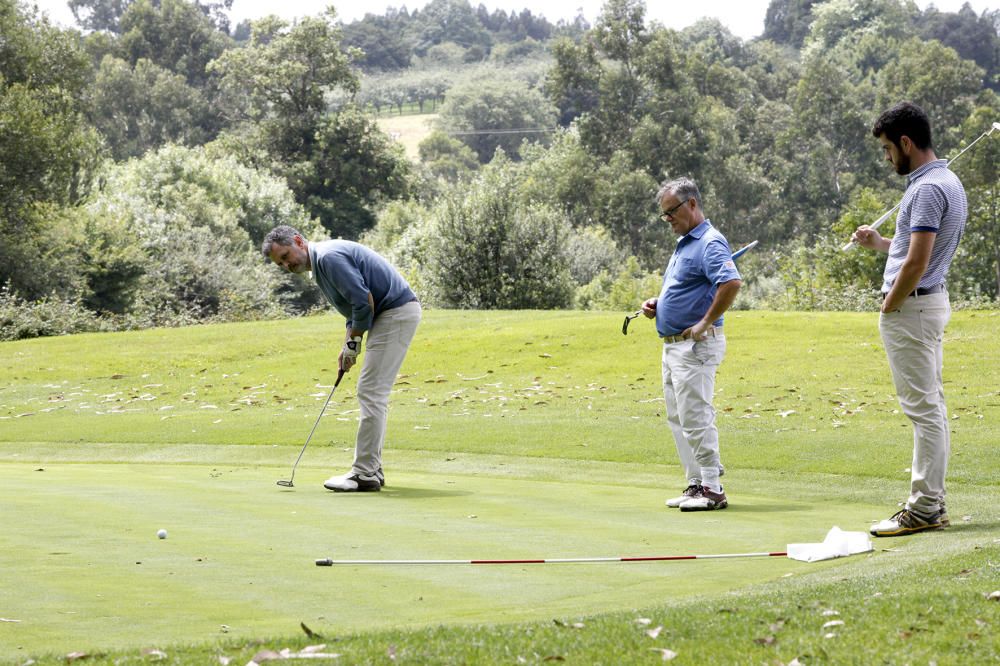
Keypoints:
(934, 202)
(700, 263)
(347, 272)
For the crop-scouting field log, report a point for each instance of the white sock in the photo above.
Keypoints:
(710, 479)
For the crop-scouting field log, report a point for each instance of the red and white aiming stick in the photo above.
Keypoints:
(565, 560)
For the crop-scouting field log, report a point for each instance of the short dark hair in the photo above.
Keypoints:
(904, 119)
(280, 235)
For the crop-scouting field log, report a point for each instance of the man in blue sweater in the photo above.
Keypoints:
(365, 288)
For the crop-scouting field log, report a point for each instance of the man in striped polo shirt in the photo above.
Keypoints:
(915, 306)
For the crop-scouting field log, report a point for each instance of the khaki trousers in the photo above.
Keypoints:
(388, 341)
(913, 337)
(688, 387)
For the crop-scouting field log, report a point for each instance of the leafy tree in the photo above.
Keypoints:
(198, 219)
(447, 157)
(141, 108)
(788, 21)
(975, 38)
(48, 153)
(383, 40)
(353, 168)
(937, 79)
(832, 128)
(449, 21)
(106, 15)
(975, 270)
(621, 288)
(592, 251)
(497, 113)
(572, 82)
(173, 34)
(490, 250)
(99, 15)
(340, 166)
(843, 23)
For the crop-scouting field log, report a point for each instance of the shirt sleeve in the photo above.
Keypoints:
(927, 208)
(718, 262)
(350, 283)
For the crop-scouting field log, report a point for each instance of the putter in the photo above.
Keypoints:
(886, 215)
(289, 483)
(736, 255)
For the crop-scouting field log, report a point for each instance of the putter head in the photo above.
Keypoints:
(996, 126)
(629, 318)
(286, 484)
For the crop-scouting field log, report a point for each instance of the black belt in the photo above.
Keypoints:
(923, 291)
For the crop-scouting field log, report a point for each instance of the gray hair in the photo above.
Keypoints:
(682, 188)
(283, 235)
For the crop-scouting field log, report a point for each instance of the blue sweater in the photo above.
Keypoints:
(347, 272)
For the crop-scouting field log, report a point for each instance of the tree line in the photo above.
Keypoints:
(143, 157)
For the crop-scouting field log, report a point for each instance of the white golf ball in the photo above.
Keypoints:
(162, 534)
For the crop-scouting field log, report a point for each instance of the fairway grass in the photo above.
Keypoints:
(512, 435)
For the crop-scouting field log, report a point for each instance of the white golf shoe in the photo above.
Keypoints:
(353, 483)
(692, 491)
(705, 501)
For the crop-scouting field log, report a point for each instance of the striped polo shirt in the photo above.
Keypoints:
(934, 201)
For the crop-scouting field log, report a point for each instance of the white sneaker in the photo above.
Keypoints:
(692, 491)
(353, 483)
(705, 501)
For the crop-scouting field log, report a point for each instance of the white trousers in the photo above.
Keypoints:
(388, 341)
(688, 387)
(913, 339)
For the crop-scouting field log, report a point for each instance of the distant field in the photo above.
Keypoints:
(408, 130)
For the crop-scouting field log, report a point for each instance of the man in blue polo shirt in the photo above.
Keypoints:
(699, 285)
(374, 298)
(915, 306)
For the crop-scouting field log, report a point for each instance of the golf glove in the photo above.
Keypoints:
(352, 347)
(350, 352)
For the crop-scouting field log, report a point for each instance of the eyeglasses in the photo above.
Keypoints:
(668, 215)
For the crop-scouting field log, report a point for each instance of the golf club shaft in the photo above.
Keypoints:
(340, 375)
(565, 560)
(880, 221)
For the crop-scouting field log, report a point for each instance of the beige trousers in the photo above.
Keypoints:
(913, 338)
(688, 387)
(388, 341)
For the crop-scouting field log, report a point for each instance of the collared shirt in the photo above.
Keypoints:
(935, 202)
(700, 263)
(347, 272)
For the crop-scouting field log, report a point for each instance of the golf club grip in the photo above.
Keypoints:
(874, 225)
(743, 250)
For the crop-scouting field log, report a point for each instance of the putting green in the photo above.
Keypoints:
(85, 569)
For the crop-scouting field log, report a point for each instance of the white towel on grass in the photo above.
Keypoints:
(837, 543)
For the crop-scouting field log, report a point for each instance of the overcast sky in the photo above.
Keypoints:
(743, 17)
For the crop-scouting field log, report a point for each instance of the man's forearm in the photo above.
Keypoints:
(724, 297)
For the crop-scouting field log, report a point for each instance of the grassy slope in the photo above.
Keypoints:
(408, 130)
(546, 427)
